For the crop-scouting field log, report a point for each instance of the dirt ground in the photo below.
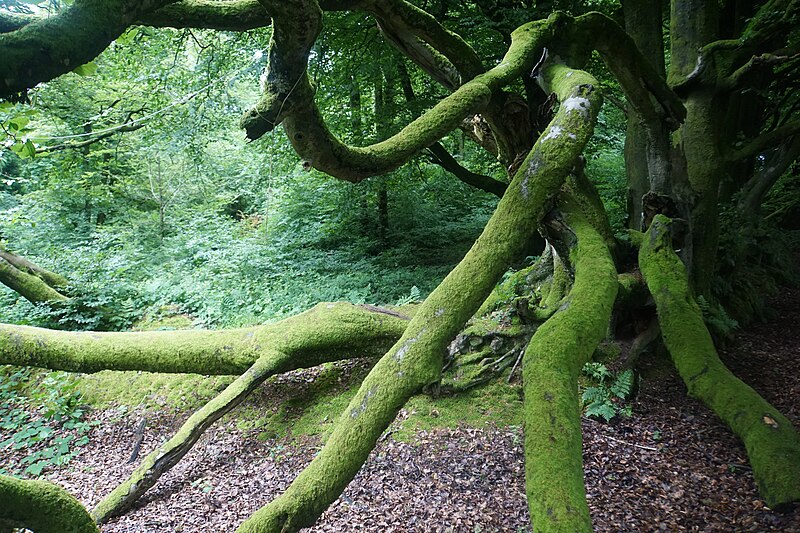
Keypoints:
(671, 467)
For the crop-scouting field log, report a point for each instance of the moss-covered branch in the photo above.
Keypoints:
(313, 141)
(29, 280)
(416, 359)
(168, 454)
(420, 37)
(41, 507)
(772, 443)
(327, 332)
(49, 47)
(552, 364)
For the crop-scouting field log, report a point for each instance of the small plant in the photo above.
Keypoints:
(47, 422)
(605, 398)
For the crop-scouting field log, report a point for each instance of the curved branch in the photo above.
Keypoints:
(327, 332)
(772, 443)
(47, 48)
(551, 367)
(313, 141)
(42, 507)
(416, 359)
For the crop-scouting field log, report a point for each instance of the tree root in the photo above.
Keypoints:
(772, 443)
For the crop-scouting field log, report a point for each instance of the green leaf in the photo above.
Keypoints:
(88, 69)
(623, 384)
(36, 468)
(25, 150)
(601, 410)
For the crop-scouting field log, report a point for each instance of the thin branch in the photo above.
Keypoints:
(485, 183)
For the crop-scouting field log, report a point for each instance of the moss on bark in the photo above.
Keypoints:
(168, 454)
(416, 359)
(772, 443)
(551, 367)
(41, 507)
(31, 287)
(327, 332)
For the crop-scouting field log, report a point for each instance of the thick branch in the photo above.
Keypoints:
(479, 181)
(416, 359)
(42, 507)
(57, 281)
(772, 444)
(326, 332)
(227, 15)
(29, 285)
(168, 454)
(47, 48)
(552, 364)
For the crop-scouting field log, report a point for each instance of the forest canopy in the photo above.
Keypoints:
(461, 192)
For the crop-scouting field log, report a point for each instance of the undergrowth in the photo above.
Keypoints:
(44, 419)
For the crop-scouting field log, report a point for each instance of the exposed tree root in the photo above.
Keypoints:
(772, 443)
(168, 454)
(551, 367)
(41, 507)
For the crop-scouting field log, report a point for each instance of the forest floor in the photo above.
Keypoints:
(672, 466)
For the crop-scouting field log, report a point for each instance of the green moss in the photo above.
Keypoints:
(149, 390)
(42, 507)
(552, 365)
(771, 441)
(494, 404)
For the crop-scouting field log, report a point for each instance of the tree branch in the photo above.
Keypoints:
(163, 458)
(416, 359)
(485, 183)
(124, 128)
(552, 364)
(47, 48)
(772, 443)
(29, 285)
(42, 507)
(765, 142)
(327, 332)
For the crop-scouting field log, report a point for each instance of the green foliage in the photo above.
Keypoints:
(605, 397)
(754, 257)
(45, 419)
